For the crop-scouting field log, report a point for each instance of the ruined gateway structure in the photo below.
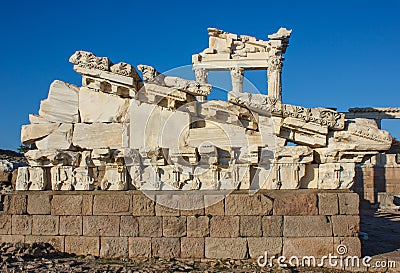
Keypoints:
(120, 131)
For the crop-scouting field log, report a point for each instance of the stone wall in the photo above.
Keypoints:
(129, 224)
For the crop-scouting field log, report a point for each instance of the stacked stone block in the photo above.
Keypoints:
(129, 224)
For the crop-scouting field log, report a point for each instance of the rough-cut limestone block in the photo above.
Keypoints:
(5, 224)
(111, 204)
(67, 205)
(245, 204)
(97, 107)
(198, 226)
(142, 205)
(82, 245)
(224, 226)
(353, 245)
(15, 204)
(250, 226)
(39, 204)
(97, 135)
(113, 247)
(258, 246)
(32, 132)
(345, 225)
(224, 248)
(272, 226)
(139, 247)
(61, 104)
(174, 226)
(150, 226)
(101, 225)
(129, 226)
(192, 248)
(296, 203)
(70, 225)
(153, 126)
(349, 203)
(307, 226)
(45, 225)
(21, 224)
(310, 246)
(60, 139)
(56, 241)
(328, 203)
(166, 247)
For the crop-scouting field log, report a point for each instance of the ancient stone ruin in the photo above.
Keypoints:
(115, 158)
(121, 131)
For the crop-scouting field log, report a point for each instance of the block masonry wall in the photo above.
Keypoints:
(129, 224)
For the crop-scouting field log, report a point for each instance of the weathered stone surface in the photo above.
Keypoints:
(12, 239)
(174, 226)
(139, 247)
(87, 205)
(296, 204)
(250, 226)
(112, 204)
(61, 139)
(150, 226)
(214, 205)
(272, 226)
(166, 211)
(98, 135)
(192, 248)
(114, 247)
(82, 245)
(101, 225)
(71, 225)
(56, 241)
(258, 246)
(307, 226)
(22, 224)
(39, 204)
(345, 225)
(198, 226)
(224, 248)
(113, 108)
(142, 205)
(61, 104)
(328, 203)
(32, 132)
(15, 204)
(66, 205)
(244, 204)
(224, 226)
(166, 247)
(348, 203)
(311, 246)
(129, 226)
(45, 225)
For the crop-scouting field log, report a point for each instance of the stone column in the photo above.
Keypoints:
(274, 78)
(237, 75)
(201, 77)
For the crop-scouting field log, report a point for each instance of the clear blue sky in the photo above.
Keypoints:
(342, 53)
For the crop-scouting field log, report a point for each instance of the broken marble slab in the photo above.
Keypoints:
(61, 104)
(60, 139)
(33, 132)
(97, 135)
(100, 107)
